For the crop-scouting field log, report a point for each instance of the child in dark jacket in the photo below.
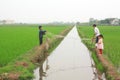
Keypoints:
(41, 33)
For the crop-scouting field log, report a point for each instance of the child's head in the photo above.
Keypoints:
(94, 25)
(100, 36)
(40, 27)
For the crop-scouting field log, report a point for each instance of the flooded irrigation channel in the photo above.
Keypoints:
(71, 60)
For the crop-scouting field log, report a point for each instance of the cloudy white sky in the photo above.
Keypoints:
(43, 11)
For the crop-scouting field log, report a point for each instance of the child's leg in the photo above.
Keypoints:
(97, 50)
(100, 51)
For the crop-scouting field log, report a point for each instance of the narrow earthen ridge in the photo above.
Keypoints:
(110, 69)
(40, 52)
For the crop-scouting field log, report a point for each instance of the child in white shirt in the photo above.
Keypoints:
(96, 34)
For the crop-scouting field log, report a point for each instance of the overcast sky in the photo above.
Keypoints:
(43, 11)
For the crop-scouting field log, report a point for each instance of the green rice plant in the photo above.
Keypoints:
(17, 40)
(111, 41)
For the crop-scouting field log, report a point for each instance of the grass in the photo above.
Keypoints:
(28, 57)
(111, 41)
(87, 32)
(16, 40)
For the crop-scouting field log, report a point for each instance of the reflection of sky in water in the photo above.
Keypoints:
(69, 61)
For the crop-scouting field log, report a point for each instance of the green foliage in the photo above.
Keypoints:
(98, 63)
(24, 41)
(111, 41)
(16, 40)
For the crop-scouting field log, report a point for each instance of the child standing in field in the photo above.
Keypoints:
(41, 33)
(96, 34)
(100, 45)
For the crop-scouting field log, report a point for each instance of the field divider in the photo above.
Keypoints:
(111, 71)
(22, 68)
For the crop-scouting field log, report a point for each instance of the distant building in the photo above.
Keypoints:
(7, 22)
(0, 22)
(115, 21)
(93, 21)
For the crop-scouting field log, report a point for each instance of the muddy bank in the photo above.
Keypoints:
(22, 68)
(109, 69)
(44, 50)
(69, 61)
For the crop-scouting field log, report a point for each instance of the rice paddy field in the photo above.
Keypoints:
(17, 40)
(111, 41)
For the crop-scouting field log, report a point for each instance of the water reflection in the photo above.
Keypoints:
(47, 66)
(67, 62)
(43, 69)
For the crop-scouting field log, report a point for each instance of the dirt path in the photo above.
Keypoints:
(69, 61)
